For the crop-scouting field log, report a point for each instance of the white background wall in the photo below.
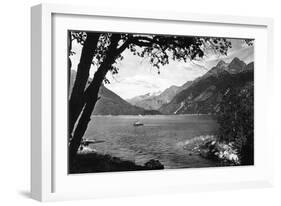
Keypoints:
(15, 101)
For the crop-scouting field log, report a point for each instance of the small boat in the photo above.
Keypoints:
(86, 149)
(138, 123)
(86, 142)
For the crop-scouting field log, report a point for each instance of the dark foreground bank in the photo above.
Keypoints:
(94, 162)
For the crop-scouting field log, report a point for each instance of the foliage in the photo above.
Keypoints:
(236, 119)
(158, 49)
(209, 147)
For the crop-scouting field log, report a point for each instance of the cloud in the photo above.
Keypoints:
(129, 87)
(137, 78)
(136, 75)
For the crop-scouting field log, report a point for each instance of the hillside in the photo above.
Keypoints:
(112, 104)
(206, 92)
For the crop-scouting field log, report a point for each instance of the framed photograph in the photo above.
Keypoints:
(138, 102)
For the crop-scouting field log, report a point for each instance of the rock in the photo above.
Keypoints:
(204, 152)
(154, 164)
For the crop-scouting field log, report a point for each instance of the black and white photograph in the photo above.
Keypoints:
(157, 101)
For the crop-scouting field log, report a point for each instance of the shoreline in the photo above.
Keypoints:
(205, 146)
(209, 147)
(128, 115)
(93, 162)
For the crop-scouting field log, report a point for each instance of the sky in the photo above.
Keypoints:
(137, 77)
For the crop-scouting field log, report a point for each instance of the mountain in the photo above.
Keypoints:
(155, 101)
(249, 67)
(205, 93)
(236, 66)
(112, 104)
(135, 100)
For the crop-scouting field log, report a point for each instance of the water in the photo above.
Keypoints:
(161, 138)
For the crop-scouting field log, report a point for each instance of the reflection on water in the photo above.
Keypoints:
(161, 137)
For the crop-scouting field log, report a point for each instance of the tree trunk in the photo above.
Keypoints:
(69, 65)
(91, 97)
(76, 101)
(85, 116)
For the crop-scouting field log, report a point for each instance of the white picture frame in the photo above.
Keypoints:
(49, 178)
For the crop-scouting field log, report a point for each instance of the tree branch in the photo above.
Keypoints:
(124, 46)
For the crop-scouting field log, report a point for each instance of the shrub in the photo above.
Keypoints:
(236, 120)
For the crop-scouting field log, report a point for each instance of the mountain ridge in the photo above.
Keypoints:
(154, 102)
(157, 101)
(112, 104)
(206, 92)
